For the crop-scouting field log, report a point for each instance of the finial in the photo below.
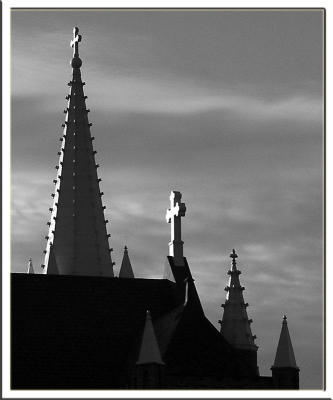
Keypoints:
(233, 255)
(285, 319)
(76, 61)
(125, 248)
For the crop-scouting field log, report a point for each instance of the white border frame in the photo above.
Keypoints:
(6, 141)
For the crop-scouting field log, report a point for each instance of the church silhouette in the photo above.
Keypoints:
(77, 326)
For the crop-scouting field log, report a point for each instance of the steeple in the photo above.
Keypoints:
(126, 270)
(235, 325)
(284, 354)
(77, 228)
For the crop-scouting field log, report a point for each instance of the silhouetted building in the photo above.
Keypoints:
(76, 326)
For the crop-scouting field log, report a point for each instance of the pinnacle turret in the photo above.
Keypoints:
(126, 270)
(285, 372)
(285, 356)
(149, 349)
(77, 228)
(30, 267)
(235, 325)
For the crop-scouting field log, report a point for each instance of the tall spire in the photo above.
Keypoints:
(77, 228)
(235, 325)
(126, 270)
(285, 356)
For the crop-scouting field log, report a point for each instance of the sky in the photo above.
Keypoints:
(224, 106)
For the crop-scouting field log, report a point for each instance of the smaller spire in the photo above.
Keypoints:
(126, 270)
(235, 324)
(149, 350)
(285, 356)
(30, 267)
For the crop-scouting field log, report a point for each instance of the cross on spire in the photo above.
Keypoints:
(75, 42)
(173, 216)
(233, 255)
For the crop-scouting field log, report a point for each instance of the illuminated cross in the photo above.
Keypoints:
(173, 216)
(75, 42)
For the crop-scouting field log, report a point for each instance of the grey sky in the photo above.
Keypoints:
(225, 106)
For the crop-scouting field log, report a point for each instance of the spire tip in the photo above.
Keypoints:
(233, 254)
(76, 61)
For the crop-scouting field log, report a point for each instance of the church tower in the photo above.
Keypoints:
(235, 325)
(77, 242)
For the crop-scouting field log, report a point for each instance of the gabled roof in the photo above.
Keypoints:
(149, 349)
(189, 343)
(126, 270)
(285, 356)
(167, 325)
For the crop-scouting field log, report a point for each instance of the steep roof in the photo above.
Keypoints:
(189, 343)
(285, 356)
(235, 325)
(126, 270)
(149, 349)
(77, 227)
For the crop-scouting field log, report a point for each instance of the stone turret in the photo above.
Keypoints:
(235, 324)
(77, 242)
(285, 371)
